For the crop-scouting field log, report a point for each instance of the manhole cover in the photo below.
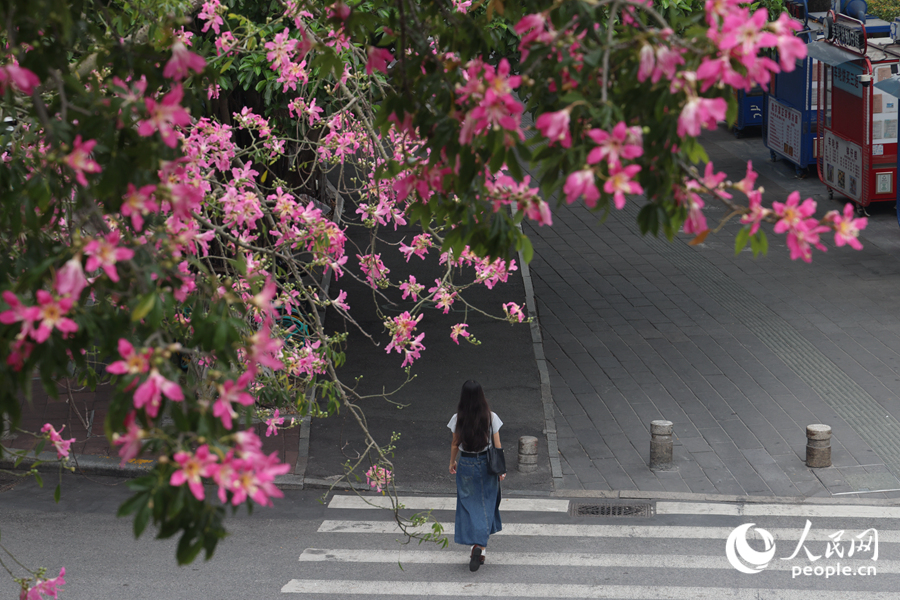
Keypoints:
(611, 510)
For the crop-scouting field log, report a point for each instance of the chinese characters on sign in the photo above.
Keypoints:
(843, 165)
(784, 129)
(846, 77)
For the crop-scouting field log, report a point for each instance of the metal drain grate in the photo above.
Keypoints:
(610, 510)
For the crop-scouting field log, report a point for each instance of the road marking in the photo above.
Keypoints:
(885, 536)
(345, 587)
(447, 503)
(778, 510)
(561, 559)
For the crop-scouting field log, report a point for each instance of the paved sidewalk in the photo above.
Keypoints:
(740, 353)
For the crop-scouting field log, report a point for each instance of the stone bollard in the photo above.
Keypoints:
(661, 445)
(528, 454)
(818, 446)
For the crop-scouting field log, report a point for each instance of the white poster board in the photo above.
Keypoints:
(785, 125)
(843, 165)
(884, 109)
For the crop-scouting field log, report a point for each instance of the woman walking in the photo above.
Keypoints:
(475, 429)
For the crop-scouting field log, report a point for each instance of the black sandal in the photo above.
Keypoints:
(476, 559)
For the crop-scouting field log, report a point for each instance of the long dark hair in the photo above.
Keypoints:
(473, 417)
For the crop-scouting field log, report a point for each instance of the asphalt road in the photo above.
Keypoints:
(306, 548)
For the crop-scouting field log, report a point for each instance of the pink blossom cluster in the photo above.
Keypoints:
(306, 359)
(443, 295)
(503, 190)
(38, 322)
(488, 101)
(622, 143)
(741, 35)
(378, 478)
(60, 445)
(44, 587)
(402, 329)
(419, 247)
(373, 268)
(150, 391)
(243, 472)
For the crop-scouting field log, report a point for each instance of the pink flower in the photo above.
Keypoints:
(262, 349)
(698, 112)
(581, 183)
(61, 445)
(44, 587)
(620, 183)
(51, 316)
(513, 312)
(273, 424)
(164, 116)
(80, 161)
(18, 311)
(624, 142)
(131, 441)
(647, 58)
(379, 58)
(105, 252)
(339, 11)
(149, 394)
(411, 288)
(757, 213)
(459, 330)
(801, 239)
(194, 467)
(20, 77)
(133, 362)
(70, 280)
(211, 16)
(183, 61)
(792, 213)
(555, 127)
(137, 203)
(232, 391)
(847, 228)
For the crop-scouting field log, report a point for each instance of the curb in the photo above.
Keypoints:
(108, 465)
(546, 393)
(82, 463)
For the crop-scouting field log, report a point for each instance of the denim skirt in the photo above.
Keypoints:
(477, 501)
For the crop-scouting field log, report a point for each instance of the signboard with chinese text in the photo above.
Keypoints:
(842, 165)
(785, 126)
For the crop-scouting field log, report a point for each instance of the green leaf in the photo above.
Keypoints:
(39, 479)
(740, 241)
(132, 504)
(144, 307)
(57, 493)
(141, 520)
(527, 249)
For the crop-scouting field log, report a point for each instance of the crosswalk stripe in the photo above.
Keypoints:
(561, 559)
(778, 510)
(447, 503)
(611, 531)
(346, 587)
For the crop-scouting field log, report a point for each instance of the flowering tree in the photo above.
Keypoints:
(174, 174)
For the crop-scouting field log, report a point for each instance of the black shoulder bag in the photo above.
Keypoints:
(496, 462)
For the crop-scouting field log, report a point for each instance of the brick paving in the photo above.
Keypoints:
(740, 353)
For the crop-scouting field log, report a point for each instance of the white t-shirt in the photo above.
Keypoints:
(496, 423)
